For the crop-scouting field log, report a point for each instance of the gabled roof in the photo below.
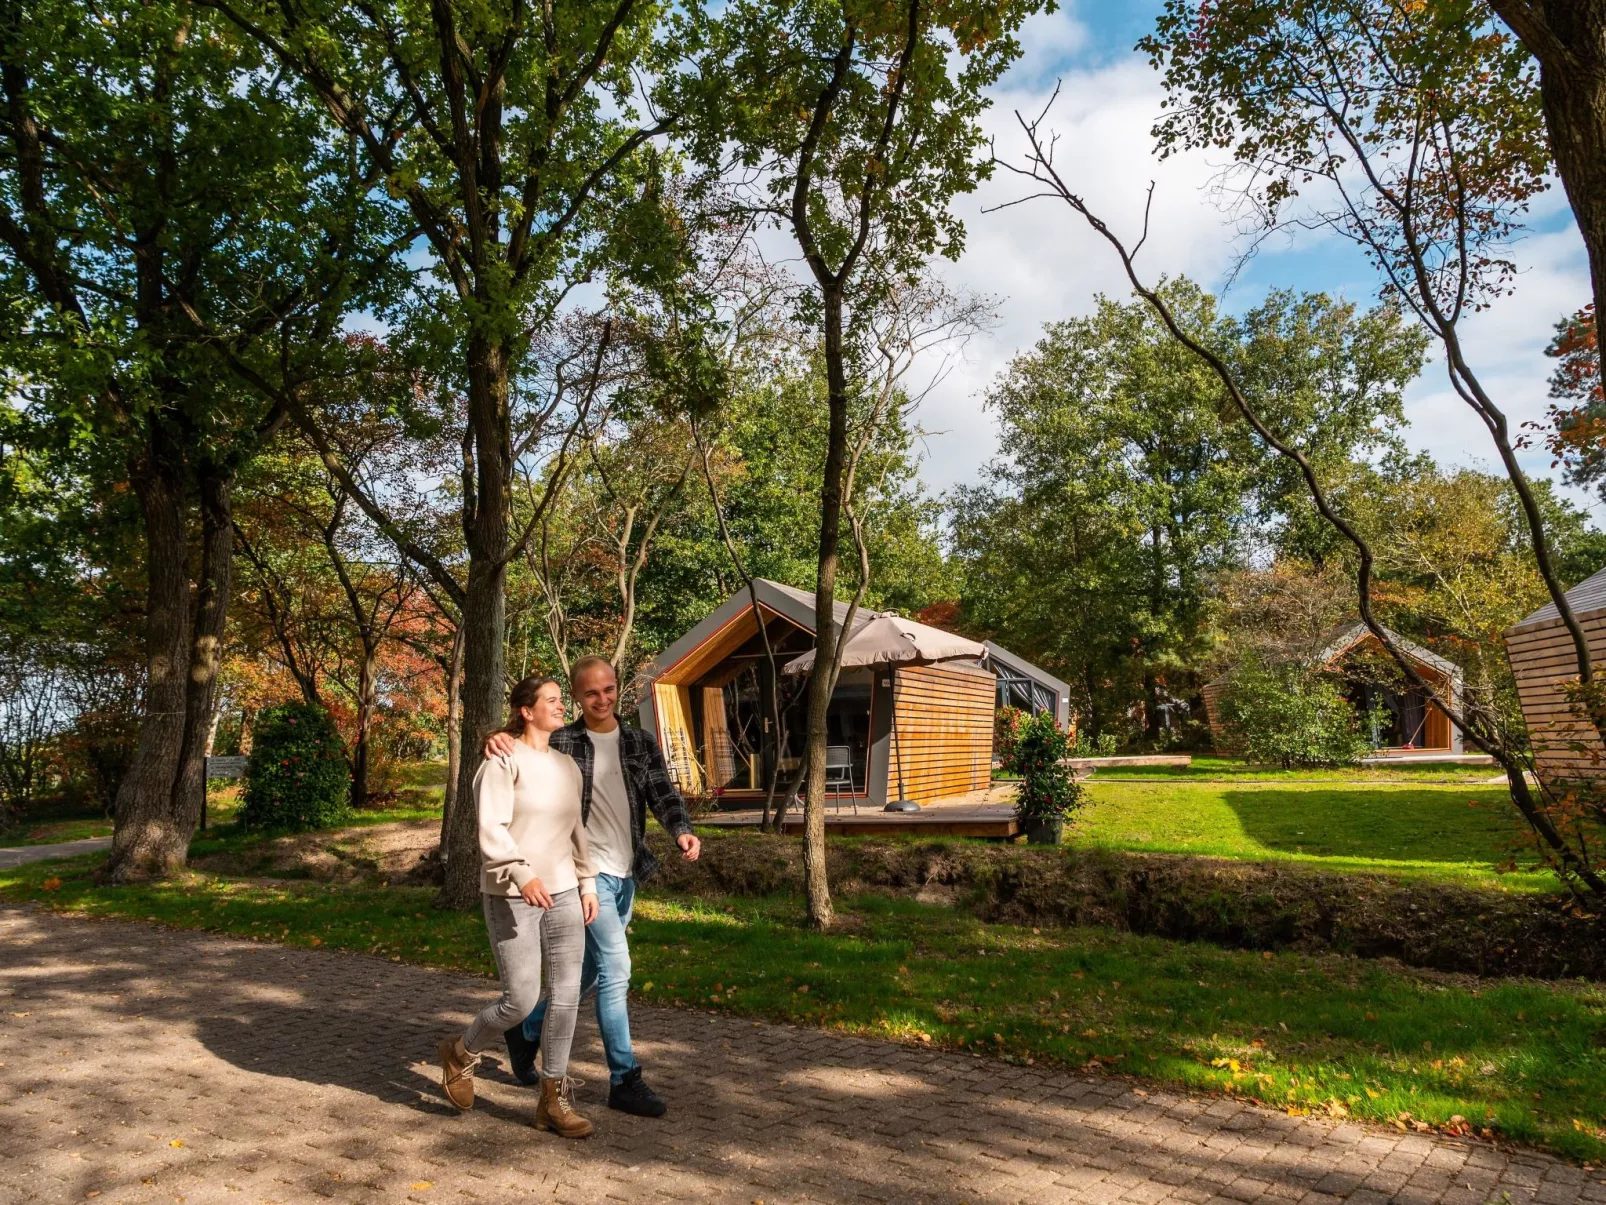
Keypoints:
(1341, 639)
(1587, 595)
(997, 652)
(792, 604)
(1335, 642)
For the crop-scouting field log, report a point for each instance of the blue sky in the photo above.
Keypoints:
(1040, 266)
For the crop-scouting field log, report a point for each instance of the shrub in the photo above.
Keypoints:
(1048, 789)
(297, 777)
(1086, 746)
(1006, 732)
(1291, 717)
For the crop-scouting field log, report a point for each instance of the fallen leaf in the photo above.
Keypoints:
(422, 1185)
(176, 1142)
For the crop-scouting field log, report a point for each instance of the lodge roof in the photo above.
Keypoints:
(1335, 642)
(1587, 595)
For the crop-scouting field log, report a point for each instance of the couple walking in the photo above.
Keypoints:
(563, 819)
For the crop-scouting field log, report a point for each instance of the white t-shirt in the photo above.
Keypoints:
(608, 830)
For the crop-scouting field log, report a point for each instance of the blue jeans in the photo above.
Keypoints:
(606, 970)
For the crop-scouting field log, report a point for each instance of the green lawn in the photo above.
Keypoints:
(1456, 832)
(1332, 1035)
(1208, 767)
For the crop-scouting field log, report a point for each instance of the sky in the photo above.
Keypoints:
(1041, 263)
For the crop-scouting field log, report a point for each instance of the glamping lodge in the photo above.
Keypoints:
(1413, 723)
(1540, 649)
(1022, 685)
(920, 732)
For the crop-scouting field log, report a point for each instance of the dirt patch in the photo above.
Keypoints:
(402, 852)
(1245, 905)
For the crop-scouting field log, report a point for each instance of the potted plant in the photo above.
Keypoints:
(1049, 793)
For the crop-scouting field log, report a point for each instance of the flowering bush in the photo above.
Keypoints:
(297, 777)
(1048, 789)
(1006, 733)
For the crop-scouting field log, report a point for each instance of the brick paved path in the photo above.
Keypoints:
(143, 1065)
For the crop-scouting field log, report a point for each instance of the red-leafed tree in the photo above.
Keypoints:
(1578, 418)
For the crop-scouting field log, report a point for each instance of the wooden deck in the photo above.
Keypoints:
(978, 814)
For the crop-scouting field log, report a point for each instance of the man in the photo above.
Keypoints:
(622, 774)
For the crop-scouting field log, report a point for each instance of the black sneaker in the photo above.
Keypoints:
(631, 1095)
(521, 1054)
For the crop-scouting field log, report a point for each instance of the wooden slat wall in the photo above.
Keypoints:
(717, 737)
(673, 704)
(944, 732)
(1565, 744)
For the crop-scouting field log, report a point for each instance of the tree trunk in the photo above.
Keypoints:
(1568, 37)
(483, 622)
(366, 676)
(1575, 112)
(206, 656)
(816, 885)
(454, 729)
(160, 799)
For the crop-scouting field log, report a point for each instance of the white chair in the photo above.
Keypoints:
(839, 774)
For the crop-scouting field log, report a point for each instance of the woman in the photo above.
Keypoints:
(539, 893)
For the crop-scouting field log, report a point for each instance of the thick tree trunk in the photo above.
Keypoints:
(454, 729)
(816, 885)
(483, 622)
(206, 656)
(160, 800)
(1568, 37)
(1575, 112)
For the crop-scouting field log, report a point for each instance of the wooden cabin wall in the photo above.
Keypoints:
(679, 745)
(1565, 744)
(944, 732)
(717, 747)
(1436, 729)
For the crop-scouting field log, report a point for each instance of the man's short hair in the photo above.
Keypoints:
(586, 663)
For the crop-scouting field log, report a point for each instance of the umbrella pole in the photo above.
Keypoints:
(900, 804)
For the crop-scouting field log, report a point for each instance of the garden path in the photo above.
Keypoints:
(146, 1065)
(63, 849)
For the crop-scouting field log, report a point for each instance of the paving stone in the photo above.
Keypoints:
(149, 1066)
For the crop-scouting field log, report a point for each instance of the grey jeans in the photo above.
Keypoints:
(536, 949)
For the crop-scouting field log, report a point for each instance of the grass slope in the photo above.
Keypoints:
(1523, 1060)
(1454, 832)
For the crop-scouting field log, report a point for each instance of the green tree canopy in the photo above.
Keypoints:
(1121, 493)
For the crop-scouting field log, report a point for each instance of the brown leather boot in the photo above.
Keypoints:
(457, 1072)
(556, 1110)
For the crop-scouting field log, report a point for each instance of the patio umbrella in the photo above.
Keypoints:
(889, 639)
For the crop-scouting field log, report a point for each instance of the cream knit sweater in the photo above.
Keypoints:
(529, 812)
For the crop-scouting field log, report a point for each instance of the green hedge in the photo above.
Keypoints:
(297, 777)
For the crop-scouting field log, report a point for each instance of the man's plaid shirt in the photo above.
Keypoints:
(647, 784)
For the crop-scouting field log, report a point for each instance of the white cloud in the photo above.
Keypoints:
(1042, 262)
(1040, 259)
